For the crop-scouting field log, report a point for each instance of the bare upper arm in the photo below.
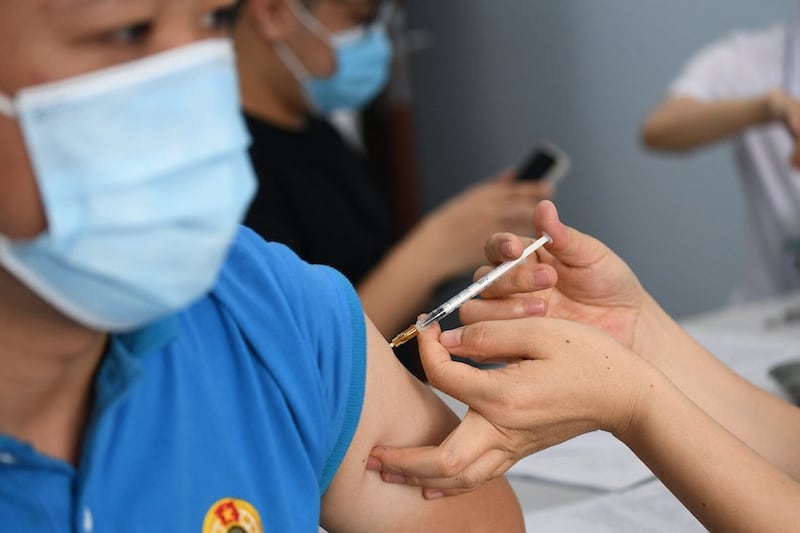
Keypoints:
(401, 411)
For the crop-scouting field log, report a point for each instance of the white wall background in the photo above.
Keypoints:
(584, 73)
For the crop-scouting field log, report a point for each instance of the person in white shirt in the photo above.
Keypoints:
(745, 87)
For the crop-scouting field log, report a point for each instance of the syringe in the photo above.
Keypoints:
(467, 294)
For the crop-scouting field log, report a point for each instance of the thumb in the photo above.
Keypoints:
(570, 246)
(464, 382)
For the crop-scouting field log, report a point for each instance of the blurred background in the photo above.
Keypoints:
(478, 82)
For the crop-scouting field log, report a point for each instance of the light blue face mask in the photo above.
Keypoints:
(363, 56)
(144, 175)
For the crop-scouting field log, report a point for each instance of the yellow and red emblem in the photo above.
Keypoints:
(231, 515)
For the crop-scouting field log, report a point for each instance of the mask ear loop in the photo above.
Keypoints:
(308, 20)
(298, 70)
(290, 59)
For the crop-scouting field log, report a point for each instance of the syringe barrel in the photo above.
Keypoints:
(434, 316)
(478, 286)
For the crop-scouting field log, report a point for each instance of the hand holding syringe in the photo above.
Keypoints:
(467, 294)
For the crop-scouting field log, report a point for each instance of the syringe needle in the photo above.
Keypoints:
(470, 292)
(404, 336)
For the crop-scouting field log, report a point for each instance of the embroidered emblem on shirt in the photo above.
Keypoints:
(230, 515)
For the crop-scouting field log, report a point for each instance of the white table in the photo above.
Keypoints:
(777, 317)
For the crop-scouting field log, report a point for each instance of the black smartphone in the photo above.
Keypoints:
(546, 162)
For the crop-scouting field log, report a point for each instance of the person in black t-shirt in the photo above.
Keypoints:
(317, 196)
(299, 60)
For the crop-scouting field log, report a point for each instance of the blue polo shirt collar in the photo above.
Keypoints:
(121, 365)
(120, 368)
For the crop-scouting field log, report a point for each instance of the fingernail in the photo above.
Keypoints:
(507, 249)
(434, 494)
(541, 279)
(393, 478)
(451, 338)
(373, 463)
(534, 307)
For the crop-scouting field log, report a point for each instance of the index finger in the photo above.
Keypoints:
(502, 247)
(460, 380)
(525, 278)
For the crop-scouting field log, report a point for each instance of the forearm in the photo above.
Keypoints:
(764, 422)
(399, 287)
(684, 123)
(723, 482)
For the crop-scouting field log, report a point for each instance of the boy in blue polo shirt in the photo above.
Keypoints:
(162, 369)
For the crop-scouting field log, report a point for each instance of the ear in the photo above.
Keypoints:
(273, 20)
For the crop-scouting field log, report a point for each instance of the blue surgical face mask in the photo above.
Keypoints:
(363, 56)
(144, 175)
